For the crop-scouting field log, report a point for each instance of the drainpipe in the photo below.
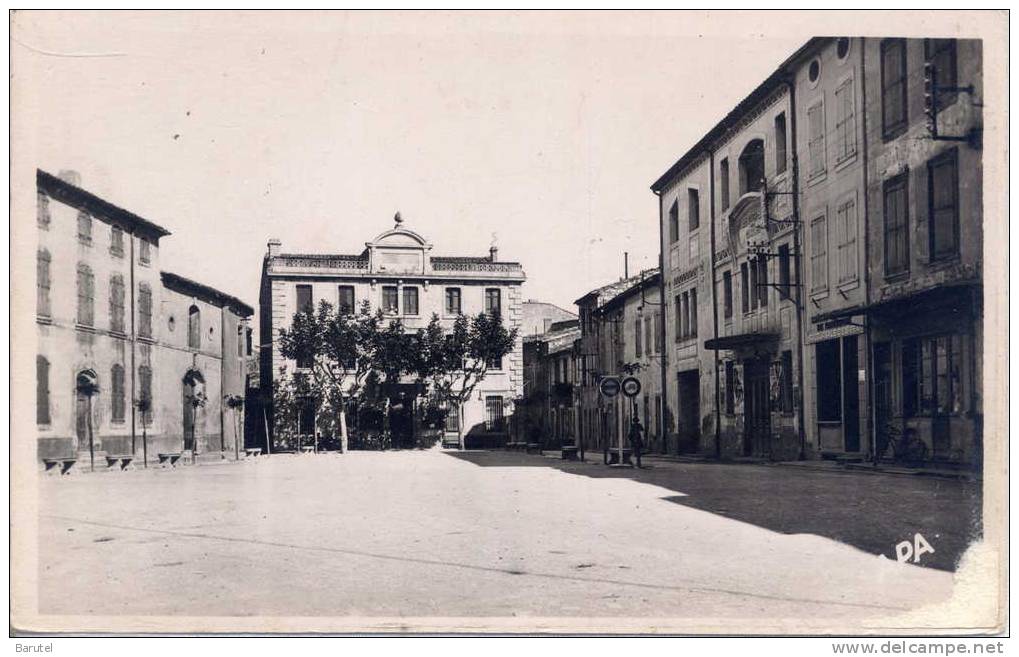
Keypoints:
(714, 309)
(871, 417)
(134, 370)
(222, 381)
(663, 362)
(796, 261)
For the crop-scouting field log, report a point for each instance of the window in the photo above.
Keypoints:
(780, 144)
(814, 70)
(453, 301)
(648, 333)
(932, 375)
(744, 279)
(194, 327)
(84, 228)
(694, 208)
(730, 388)
(145, 392)
(679, 317)
(240, 341)
(727, 294)
(845, 227)
(658, 332)
(751, 167)
(896, 208)
(893, 87)
(784, 274)
(762, 281)
(42, 390)
(42, 210)
(304, 303)
(247, 340)
(493, 301)
(693, 312)
(638, 335)
(815, 143)
(42, 283)
(845, 121)
(842, 47)
(818, 255)
(390, 299)
(346, 300)
(674, 222)
(144, 311)
(117, 395)
(943, 204)
(116, 241)
(685, 315)
(829, 381)
(144, 251)
(86, 296)
(753, 290)
(494, 363)
(723, 179)
(410, 301)
(117, 303)
(493, 414)
(941, 53)
(786, 382)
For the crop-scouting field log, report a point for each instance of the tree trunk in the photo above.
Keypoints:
(460, 425)
(343, 429)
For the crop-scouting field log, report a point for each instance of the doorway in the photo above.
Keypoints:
(882, 395)
(851, 392)
(193, 399)
(86, 387)
(689, 422)
(757, 418)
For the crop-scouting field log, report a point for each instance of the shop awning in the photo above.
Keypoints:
(905, 304)
(740, 340)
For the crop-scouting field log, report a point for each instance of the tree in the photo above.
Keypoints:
(338, 350)
(457, 361)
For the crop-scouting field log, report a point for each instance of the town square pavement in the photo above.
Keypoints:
(495, 534)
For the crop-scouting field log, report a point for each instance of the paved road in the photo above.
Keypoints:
(478, 534)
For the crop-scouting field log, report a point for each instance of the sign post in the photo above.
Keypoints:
(631, 388)
(609, 387)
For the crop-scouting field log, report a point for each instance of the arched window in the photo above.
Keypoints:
(42, 390)
(42, 283)
(117, 303)
(117, 398)
(86, 295)
(194, 328)
(144, 310)
(751, 167)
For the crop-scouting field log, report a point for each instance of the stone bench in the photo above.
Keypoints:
(122, 460)
(64, 464)
(252, 451)
(570, 452)
(169, 458)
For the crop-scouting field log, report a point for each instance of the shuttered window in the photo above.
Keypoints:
(815, 144)
(896, 225)
(42, 283)
(117, 397)
(144, 311)
(117, 303)
(943, 200)
(42, 390)
(818, 255)
(86, 296)
(845, 121)
(893, 87)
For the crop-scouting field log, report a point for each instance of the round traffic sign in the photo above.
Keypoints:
(631, 387)
(609, 386)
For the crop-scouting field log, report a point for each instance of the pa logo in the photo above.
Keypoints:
(907, 550)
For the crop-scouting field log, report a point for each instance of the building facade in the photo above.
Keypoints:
(113, 331)
(548, 408)
(397, 273)
(538, 317)
(620, 335)
(844, 249)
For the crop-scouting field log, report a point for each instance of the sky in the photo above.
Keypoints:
(541, 131)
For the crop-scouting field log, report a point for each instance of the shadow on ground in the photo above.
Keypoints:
(872, 512)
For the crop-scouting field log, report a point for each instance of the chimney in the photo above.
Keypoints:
(274, 247)
(493, 253)
(70, 177)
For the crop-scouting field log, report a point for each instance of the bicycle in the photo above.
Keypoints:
(904, 446)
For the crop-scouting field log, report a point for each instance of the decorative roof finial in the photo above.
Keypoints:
(398, 219)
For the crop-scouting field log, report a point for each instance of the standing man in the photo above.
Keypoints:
(636, 439)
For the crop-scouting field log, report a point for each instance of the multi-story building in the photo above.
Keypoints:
(113, 331)
(547, 414)
(621, 336)
(844, 257)
(397, 273)
(537, 317)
